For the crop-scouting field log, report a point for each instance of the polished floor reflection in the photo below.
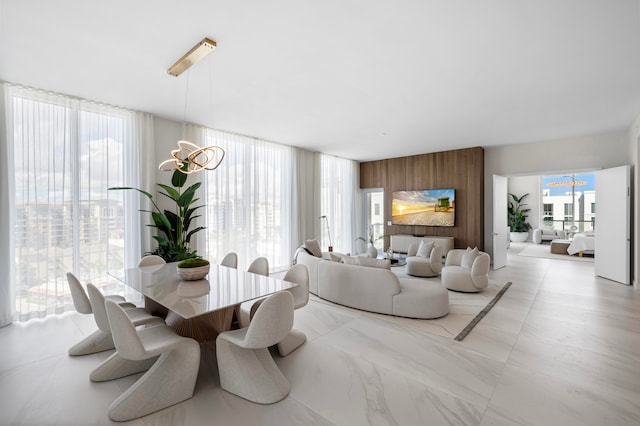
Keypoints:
(561, 347)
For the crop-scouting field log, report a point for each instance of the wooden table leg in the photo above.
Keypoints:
(203, 328)
(154, 308)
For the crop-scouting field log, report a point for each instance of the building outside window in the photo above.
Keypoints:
(67, 152)
(569, 202)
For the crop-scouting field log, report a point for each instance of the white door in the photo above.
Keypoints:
(500, 228)
(612, 253)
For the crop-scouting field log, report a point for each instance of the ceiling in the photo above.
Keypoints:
(360, 79)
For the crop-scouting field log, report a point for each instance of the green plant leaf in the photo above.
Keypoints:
(172, 218)
(161, 221)
(187, 196)
(187, 222)
(188, 237)
(118, 188)
(188, 217)
(179, 179)
(161, 241)
(171, 192)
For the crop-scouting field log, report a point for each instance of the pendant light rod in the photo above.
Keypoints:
(196, 53)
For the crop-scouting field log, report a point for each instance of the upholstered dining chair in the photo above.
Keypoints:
(114, 366)
(170, 380)
(151, 259)
(298, 274)
(98, 341)
(150, 305)
(230, 260)
(245, 365)
(260, 266)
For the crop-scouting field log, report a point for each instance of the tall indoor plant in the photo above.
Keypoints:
(517, 215)
(174, 226)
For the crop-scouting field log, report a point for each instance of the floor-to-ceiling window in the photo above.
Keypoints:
(249, 200)
(338, 183)
(66, 153)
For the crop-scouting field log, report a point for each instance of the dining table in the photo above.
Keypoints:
(200, 309)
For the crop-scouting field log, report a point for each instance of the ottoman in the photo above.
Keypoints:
(560, 246)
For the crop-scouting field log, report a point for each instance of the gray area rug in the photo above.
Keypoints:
(482, 313)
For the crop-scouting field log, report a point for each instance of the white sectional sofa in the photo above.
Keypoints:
(374, 289)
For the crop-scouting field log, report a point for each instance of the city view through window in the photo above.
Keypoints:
(66, 156)
(569, 202)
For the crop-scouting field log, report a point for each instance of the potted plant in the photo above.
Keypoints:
(372, 251)
(517, 215)
(193, 269)
(174, 226)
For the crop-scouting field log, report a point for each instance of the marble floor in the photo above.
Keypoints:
(562, 347)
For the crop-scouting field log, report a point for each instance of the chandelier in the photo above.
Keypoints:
(189, 157)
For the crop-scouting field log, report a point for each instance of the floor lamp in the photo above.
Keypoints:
(326, 222)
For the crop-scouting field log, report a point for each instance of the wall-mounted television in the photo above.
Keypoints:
(427, 207)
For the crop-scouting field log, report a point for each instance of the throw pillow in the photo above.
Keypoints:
(424, 250)
(336, 257)
(469, 256)
(314, 247)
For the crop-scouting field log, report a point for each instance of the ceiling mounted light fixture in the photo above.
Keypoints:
(189, 157)
(196, 53)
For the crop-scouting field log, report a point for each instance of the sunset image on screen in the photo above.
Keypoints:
(434, 207)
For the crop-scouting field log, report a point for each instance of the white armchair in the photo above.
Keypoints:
(467, 274)
(419, 266)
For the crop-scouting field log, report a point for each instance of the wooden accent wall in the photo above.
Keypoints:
(461, 169)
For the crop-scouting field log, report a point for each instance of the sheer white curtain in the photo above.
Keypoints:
(7, 264)
(249, 200)
(139, 172)
(338, 192)
(67, 152)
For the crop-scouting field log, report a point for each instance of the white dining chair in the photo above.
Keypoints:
(298, 274)
(245, 365)
(115, 367)
(97, 341)
(150, 305)
(230, 260)
(260, 266)
(170, 380)
(151, 259)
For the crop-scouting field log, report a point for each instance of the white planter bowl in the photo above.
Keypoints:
(518, 237)
(190, 274)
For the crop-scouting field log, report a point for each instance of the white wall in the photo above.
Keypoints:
(558, 156)
(520, 185)
(167, 133)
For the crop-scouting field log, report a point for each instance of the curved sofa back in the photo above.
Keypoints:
(311, 262)
(360, 287)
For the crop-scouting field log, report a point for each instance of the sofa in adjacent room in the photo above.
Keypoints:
(544, 234)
